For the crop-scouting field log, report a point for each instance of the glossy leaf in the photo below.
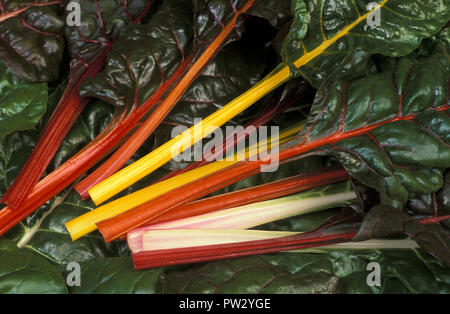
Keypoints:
(276, 12)
(144, 57)
(31, 39)
(388, 130)
(44, 233)
(13, 154)
(402, 25)
(385, 221)
(100, 23)
(116, 275)
(432, 205)
(23, 272)
(336, 271)
(223, 78)
(22, 104)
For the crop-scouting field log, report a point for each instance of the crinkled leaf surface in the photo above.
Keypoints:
(434, 204)
(100, 23)
(44, 233)
(403, 24)
(335, 271)
(116, 275)
(22, 103)
(224, 78)
(275, 11)
(13, 155)
(389, 130)
(147, 56)
(212, 16)
(23, 272)
(31, 39)
(384, 221)
(144, 57)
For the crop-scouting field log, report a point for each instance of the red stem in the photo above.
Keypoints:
(126, 151)
(118, 158)
(62, 177)
(231, 141)
(76, 166)
(59, 124)
(141, 215)
(286, 154)
(254, 194)
(157, 258)
(62, 119)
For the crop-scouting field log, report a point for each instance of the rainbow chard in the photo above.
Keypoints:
(138, 69)
(23, 103)
(88, 45)
(388, 128)
(321, 29)
(370, 125)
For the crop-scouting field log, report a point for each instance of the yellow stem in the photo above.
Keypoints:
(87, 223)
(149, 163)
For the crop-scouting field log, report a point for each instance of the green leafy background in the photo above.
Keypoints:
(34, 255)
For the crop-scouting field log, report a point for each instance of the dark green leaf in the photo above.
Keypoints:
(389, 130)
(101, 22)
(116, 275)
(435, 204)
(385, 221)
(46, 234)
(144, 57)
(403, 24)
(23, 272)
(13, 155)
(277, 12)
(331, 271)
(31, 39)
(22, 104)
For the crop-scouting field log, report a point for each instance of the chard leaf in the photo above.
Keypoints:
(116, 275)
(432, 205)
(390, 130)
(44, 233)
(13, 155)
(384, 221)
(325, 271)
(31, 40)
(148, 56)
(22, 104)
(403, 24)
(330, 271)
(276, 12)
(100, 23)
(23, 272)
(145, 57)
(223, 78)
